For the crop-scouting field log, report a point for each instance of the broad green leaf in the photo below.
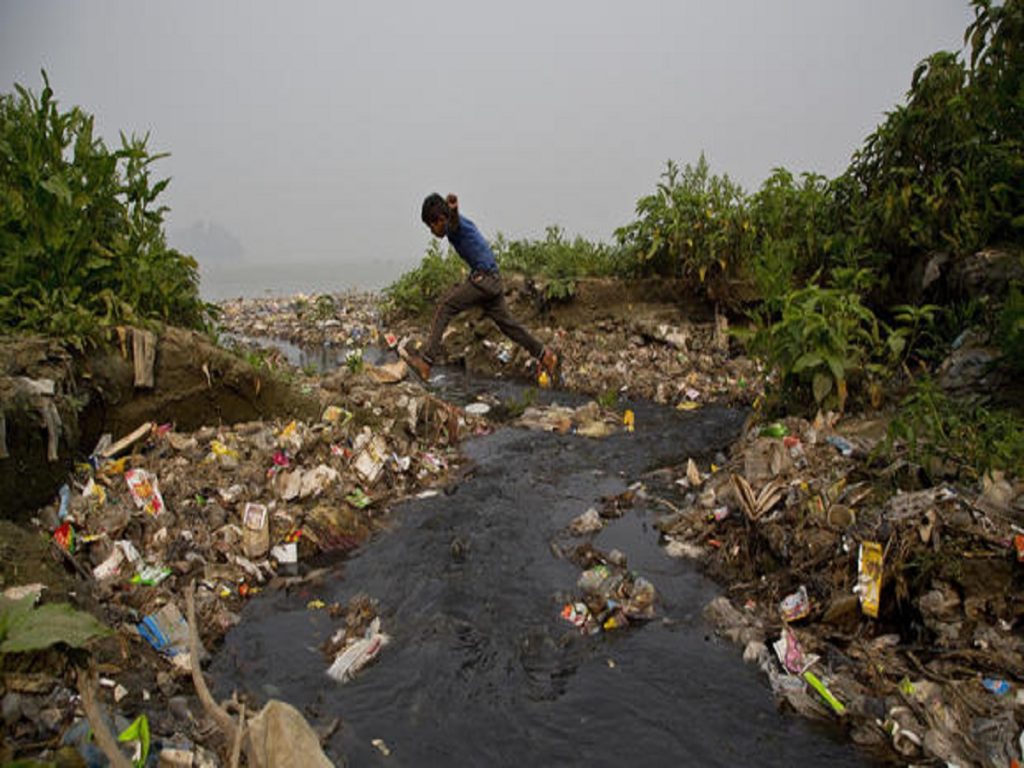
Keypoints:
(48, 625)
(897, 344)
(13, 611)
(807, 360)
(822, 385)
(837, 367)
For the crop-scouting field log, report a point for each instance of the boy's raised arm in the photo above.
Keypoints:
(453, 212)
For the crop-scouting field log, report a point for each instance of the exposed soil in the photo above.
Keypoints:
(196, 383)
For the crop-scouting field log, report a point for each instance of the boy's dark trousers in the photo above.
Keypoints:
(482, 289)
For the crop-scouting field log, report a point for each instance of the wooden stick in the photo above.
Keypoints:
(104, 738)
(213, 709)
(236, 748)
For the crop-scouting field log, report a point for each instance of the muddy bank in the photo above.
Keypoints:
(57, 402)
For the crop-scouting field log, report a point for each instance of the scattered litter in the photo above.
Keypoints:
(841, 444)
(478, 409)
(255, 530)
(791, 655)
(997, 686)
(589, 522)
(358, 653)
(795, 606)
(145, 491)
(824, 692)
(166, 630)
(869, 577)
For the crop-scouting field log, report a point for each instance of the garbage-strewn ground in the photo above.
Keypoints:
(865, 597)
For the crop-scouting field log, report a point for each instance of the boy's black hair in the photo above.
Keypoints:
(434, 208)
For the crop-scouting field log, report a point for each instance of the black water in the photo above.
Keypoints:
(481, 669)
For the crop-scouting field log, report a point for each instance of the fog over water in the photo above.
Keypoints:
(304, 136)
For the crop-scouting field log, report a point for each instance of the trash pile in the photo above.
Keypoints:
(588, 420)
(610, 596)
(861, 595)
(235, 509)
(358, 643)
(343, 320)
(899, 612)
(684, 366)
(232, 505)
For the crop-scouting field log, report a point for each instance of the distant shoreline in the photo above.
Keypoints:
(253, 281)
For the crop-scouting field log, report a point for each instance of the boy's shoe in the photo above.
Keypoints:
(548, 362)
(418, 364)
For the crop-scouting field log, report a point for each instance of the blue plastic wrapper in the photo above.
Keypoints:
(166, 630)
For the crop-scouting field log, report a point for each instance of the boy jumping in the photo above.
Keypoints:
(482, 289)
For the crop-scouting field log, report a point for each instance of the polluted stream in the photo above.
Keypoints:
(481, 668)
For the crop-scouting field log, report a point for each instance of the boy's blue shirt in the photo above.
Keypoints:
(472, 247)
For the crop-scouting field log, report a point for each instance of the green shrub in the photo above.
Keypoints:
(967, 437)
(822, 339)
(791, 229)
(82, 245)
(946, 169)
(418, 289)
(695, 225)
(556, 260)
(1010, 329)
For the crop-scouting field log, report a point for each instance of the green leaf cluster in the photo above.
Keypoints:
(558, 261)
(418, 289)
(947, 435)
(822, 339)
(946, 169)
(1010, 329)
(23, 627)
(82, 246)
(696, 224)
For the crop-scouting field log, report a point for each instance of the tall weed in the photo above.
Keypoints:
(82, 245)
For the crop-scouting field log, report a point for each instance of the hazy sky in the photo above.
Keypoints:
(309, 132)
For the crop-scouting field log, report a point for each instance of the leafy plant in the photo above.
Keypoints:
(792, 231)
(323, 307)
(946, 169)
(418, 289)
(557, 261)
(913, 324)
(354, 361)
(23, 627)
(822, 338)
(82, 246)
(1010, 329)
(608, 399)
(937, 429)
(696, 224)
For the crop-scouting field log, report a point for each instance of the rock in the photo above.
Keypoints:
(178, 706)
(971, 370)
(738, 627)
(280, 735)
(988, 272)
(755, 652)
(10, 708)
(51, 719)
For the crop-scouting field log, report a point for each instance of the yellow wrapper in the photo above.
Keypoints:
(869, 578)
